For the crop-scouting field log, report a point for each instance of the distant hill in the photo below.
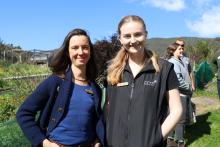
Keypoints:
(160, 44)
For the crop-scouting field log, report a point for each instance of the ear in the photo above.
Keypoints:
(119, 38)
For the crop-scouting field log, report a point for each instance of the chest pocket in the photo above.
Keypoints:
(151, 87)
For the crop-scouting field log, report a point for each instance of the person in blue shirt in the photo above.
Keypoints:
(68, 101)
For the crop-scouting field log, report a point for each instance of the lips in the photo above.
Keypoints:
(81, 59)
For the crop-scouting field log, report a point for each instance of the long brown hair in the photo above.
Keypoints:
(118, 63)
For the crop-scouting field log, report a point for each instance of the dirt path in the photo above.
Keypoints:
(205, 104)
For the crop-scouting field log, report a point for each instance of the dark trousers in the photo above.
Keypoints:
(218, 87)
(178, 133)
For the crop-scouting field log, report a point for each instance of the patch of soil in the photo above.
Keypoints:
(205, 104)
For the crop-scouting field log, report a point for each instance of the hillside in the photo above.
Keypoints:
(160, 44)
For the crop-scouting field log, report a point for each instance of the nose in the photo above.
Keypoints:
(133, 40)
(80, 51)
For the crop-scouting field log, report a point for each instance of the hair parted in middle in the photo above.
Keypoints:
(60, 62)
(117, 64)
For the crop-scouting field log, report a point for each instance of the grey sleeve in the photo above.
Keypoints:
(183, 85)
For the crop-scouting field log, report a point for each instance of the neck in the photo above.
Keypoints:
(136, 63)
(137, 59)
(178, 58)
(79, 73)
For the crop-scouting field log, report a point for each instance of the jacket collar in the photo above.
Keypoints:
(69, 74)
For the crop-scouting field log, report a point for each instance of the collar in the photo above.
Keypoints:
(69, 74)
(148, 66)
(178, 60)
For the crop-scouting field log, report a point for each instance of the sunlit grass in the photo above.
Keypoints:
(206, 131)
(209, 91)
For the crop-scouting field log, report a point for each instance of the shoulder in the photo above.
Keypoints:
(54, 78)
(165, 66)
(171, 60)
(51, 81)
(166, 63)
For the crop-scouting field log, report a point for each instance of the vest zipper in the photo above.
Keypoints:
(132, 90)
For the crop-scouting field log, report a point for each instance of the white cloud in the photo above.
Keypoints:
(169, 5)
(208, 24)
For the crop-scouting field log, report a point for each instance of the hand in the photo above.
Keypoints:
(97, 144)
(47, 143)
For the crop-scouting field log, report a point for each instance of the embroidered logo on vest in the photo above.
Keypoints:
(150, 83)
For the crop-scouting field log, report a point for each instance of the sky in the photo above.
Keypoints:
(43, 24)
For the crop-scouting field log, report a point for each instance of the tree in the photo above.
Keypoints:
(105, 50)
(199, 52)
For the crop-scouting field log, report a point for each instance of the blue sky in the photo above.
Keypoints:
(43, 24)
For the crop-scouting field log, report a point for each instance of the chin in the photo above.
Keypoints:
(79, 64)
(132, 50)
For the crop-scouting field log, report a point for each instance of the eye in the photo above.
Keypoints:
(74, 47)
(86, 47)
(138, 34)
(127, 36)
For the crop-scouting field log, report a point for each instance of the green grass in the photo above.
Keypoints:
(205, 132)
(209, 91)
(11, 135)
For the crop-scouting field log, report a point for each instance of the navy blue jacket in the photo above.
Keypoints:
(49, 102)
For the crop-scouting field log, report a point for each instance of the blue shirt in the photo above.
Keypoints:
(78, 125)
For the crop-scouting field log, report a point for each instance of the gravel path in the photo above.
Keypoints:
(205, 104)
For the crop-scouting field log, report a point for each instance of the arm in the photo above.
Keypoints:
(191, 75)
(26, 114)
(100, 127)
(175, 107)
(192, 81)
(184, 86)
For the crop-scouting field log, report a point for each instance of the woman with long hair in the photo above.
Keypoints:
(68, 100)
(140, 89)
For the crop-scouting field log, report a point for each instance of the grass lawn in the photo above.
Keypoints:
(205, 132)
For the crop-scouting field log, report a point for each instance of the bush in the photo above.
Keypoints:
(19, 88)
